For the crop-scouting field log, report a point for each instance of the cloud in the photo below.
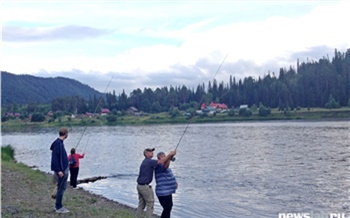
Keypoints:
(71, 32)
(313, 53)
(151, 45)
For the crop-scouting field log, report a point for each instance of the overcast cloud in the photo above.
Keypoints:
(167, 43)
(71, 32)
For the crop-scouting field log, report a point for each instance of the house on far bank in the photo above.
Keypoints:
(243, 106)
(218, 106)
(214, 106)
(88, 114)
(132, 111)
(105, 111)
(13, 114)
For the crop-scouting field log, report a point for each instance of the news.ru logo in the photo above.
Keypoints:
(312, 215)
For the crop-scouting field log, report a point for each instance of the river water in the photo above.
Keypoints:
(248, 169)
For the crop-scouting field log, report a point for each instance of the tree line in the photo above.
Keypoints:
(322, 83)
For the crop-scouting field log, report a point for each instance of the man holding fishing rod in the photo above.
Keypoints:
(144, 189)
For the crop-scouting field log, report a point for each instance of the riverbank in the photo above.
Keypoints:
(164, 118)
(26, 192)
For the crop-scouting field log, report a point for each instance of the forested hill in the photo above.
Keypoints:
(23, 89)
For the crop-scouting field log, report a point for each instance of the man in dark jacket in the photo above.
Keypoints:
(59, 164)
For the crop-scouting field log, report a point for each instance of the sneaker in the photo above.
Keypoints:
(62, 210)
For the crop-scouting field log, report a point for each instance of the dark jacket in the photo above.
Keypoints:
(59, 160)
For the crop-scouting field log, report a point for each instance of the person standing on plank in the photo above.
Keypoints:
(74, 169)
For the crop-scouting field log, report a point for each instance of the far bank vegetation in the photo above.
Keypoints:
(312, 87)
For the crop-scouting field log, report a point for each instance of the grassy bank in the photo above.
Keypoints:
(26, 192)
(165, 118)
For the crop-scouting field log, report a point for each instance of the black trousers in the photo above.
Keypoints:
(74, 176)
(167, 204)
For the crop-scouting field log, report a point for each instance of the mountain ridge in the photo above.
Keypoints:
(24, 89)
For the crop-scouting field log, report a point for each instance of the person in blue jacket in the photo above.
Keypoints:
(59, 164)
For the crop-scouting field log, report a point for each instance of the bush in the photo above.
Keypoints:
(231, 112)
(4, 119)
(246, 112)
(263, 111)
(332, 103)
(7, 153)
(111, 118)
(203, 115)
(114, 112)
(37, 118)
(174, 112)
(253, 108)
(184, 106)
(57, 114)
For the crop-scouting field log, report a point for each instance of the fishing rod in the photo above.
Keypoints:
(173, 158)
(94, 112)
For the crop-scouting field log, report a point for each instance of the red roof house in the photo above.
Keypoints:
(218, 105)
(105, 111)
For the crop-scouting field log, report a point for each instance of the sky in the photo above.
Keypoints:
(126, 45)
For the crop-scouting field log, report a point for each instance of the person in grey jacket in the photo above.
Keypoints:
(59, 164)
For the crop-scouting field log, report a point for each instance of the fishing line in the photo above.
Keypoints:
(94, 112)
(182, 136)
(173, 158)
(87, 142)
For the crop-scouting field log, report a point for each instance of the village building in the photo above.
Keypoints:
(132, 111)
(13, 114)
(105, 111)
(214, 106)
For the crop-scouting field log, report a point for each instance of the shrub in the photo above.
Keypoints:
(7, 153)
(37, 118)
(332, 103)
(263, 111)
(231, 112)
(246, 112)
(4, 119)
(111, 118)
(174, 112)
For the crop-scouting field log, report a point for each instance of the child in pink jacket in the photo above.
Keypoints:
(74, 170)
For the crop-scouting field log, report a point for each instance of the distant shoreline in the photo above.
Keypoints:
(312, 114)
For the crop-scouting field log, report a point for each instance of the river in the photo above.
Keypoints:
(245, 169)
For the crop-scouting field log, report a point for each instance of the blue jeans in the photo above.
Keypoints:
(61, 187)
